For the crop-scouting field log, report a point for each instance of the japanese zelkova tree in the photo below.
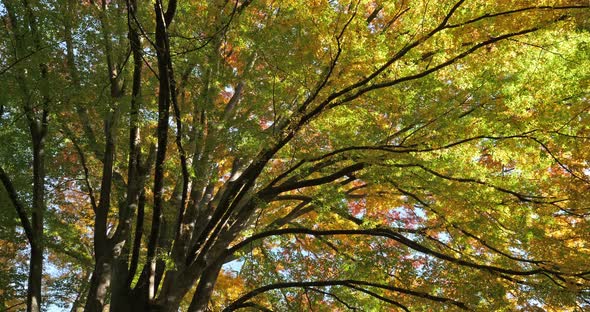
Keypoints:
(296, 155)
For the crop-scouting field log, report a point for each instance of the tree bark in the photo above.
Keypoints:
(150, 276)
(123, 271)
(101, 276)
(36, 263)
(204, 290)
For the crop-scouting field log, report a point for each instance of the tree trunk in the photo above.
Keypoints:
(99, 284)
(204, 290)
(34, 281)
(37, 117)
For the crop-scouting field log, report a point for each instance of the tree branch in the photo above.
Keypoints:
(387, 233)
(312, 182)
(20, 209)
(520, 10)
(427, 72)
(353, 284)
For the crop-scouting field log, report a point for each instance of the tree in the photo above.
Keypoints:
(340, 155)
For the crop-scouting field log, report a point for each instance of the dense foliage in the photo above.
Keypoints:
(295, 155)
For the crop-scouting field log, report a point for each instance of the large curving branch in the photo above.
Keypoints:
(522, 197)
(243, 301)
(520, 10)
(388, 233)
(364, 85)
(397, 56)
(285, 187)
(390, 83)
(292, 183)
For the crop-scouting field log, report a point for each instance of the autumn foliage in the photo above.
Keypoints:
(295, 155)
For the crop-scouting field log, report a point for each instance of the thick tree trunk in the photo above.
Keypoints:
(119, 291)
(177, 283)
(123, 271)
(101, 277)
(34, 281)
(99, 284)
(38, 131)
(202, 295)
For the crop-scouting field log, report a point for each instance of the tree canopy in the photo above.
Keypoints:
(295, 155)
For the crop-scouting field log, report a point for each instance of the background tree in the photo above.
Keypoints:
(339, 155)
